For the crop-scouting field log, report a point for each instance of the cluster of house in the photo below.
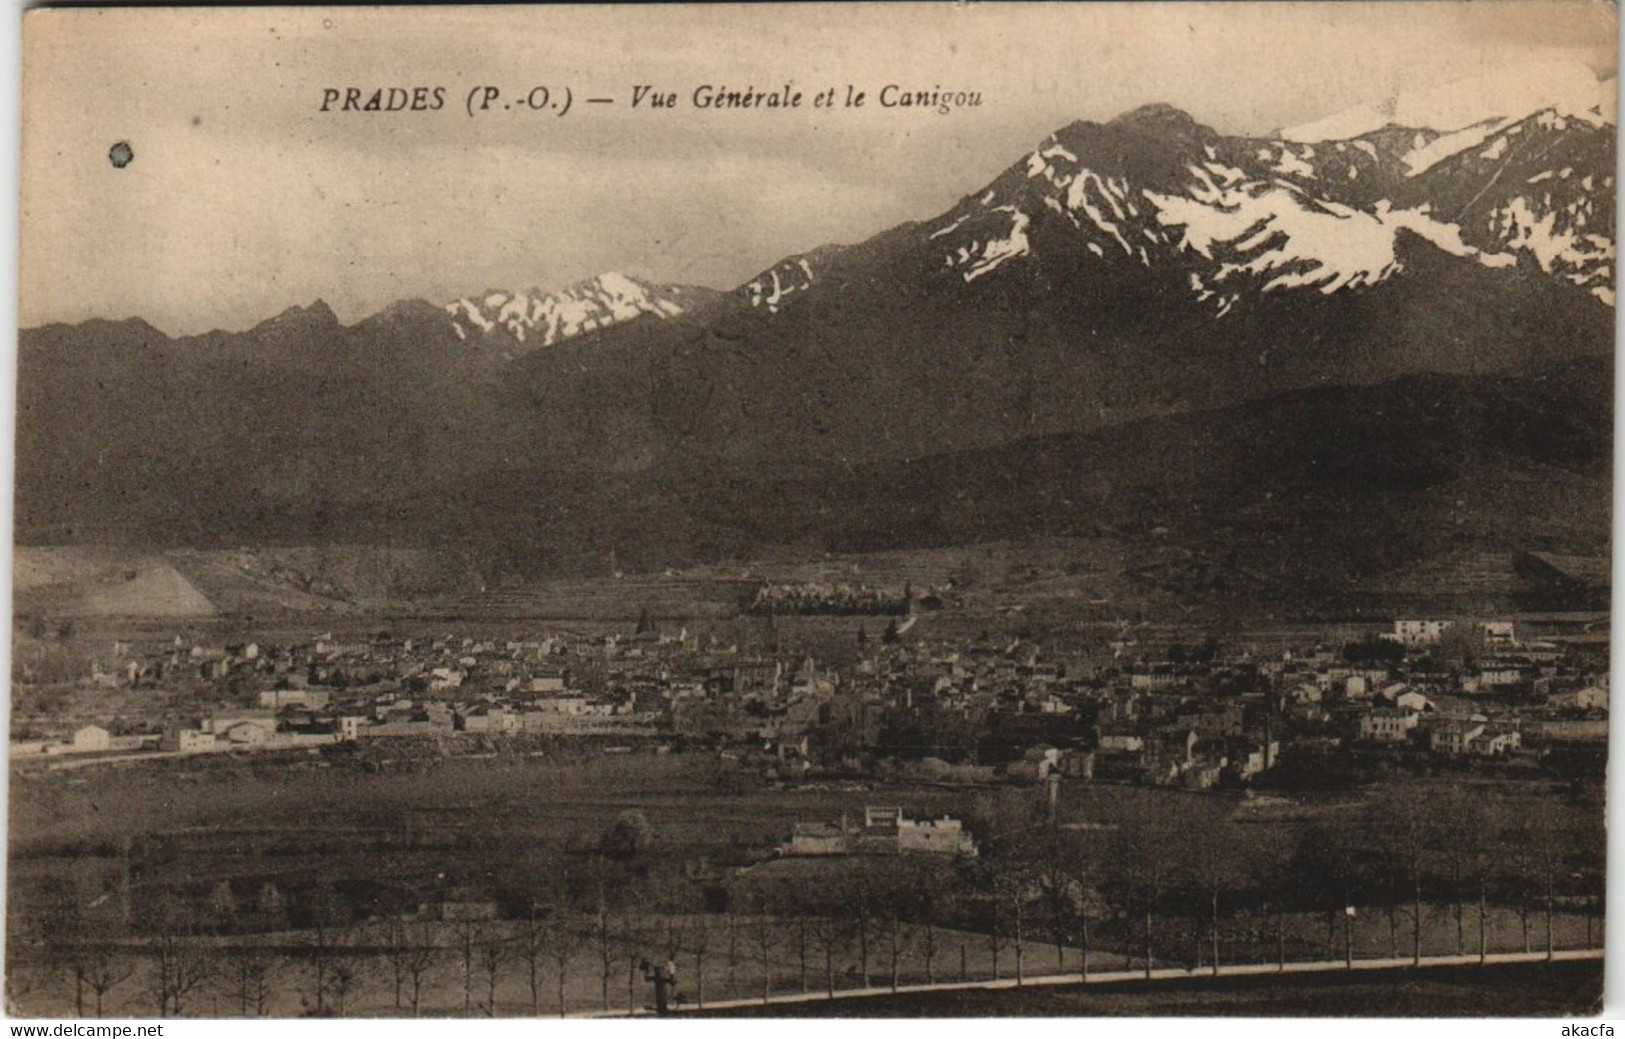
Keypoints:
(983, 707)
(1522, 691)
(838, 597)
(885, 831)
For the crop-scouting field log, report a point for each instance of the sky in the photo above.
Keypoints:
(243, 198)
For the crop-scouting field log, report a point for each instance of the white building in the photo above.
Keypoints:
(1420, 632)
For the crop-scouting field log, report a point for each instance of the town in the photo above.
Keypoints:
(1427, 693)
(832, 793)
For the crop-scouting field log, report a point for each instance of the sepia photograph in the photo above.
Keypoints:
(806, 511)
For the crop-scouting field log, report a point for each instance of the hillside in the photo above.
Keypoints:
(1324, 358)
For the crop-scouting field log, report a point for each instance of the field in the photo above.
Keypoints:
(388, 836)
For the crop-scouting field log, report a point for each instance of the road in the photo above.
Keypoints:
(1130, 976)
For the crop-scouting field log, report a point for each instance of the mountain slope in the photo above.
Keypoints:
(1112, 287)
(1122, 270)
(518, 321)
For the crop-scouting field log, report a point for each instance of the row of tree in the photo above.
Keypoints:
(1159, 881)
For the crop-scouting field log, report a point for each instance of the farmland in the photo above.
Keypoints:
(526, 830)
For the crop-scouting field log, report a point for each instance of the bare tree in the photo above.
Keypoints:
(763, 941)
(731, 924)
(465, 933)
(1212, 861)
(394, 940)
(104, 969)
(419, 957)
(346, 972)
(249, 979)
(604, 937)
(561, 940)
(828, 933)
(701, 938)
(182, 965)
(493, 951)
(1141, 852)
(1399, 821)
(530, 946)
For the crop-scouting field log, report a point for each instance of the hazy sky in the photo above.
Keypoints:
(244, 198)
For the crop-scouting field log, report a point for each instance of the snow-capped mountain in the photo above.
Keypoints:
(1237, 219)
(535, 318)
(1054, 345)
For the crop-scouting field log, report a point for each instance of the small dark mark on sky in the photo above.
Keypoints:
(120, 155)
(197, 120)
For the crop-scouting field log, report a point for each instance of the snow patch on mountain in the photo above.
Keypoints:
(545, 319)
(774, 286)
(1578, 257)
(979, 257)
(1297, 242)
(1420, 160)
(1289, 164)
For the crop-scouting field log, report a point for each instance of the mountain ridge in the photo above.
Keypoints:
(1119, 273)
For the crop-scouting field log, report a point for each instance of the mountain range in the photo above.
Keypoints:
(1317, 345)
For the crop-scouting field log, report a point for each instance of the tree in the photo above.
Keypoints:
(934, 893)
(1143, 849)
(628, 836)
(701, 937)
(494, 953)
(530, 946)
(182, 964)
(828, 930)
(1213, 861)
(395, 942)
(418, 959)
(731, 926)
(104, 970)
(561, 940)
(1055, 872)
(249, 977)
(222, 907)
(764, 935)
(861, 904)
(329, 914)
(346, 972)
(1461, 644)
(603, 935)
(465, 933)
(271, 906)
(1399, 823)
(1327, 866)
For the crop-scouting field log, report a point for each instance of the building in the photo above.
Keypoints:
(1454, 738)
(89, 739)
(885, 831)
(817, 839)
(189, 741)
(1385, 725)
(247, 727)
(945, 836)
(276, 699)
(1492, 743)
(1591, 698)
(1420, 632)
(1495, 674)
